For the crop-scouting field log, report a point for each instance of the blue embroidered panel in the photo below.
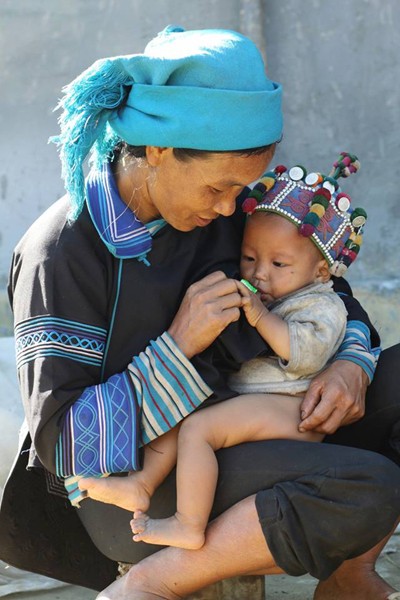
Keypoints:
(106, 426)
(103, 424)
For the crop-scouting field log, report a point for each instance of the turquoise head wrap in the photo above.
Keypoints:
(205, 90)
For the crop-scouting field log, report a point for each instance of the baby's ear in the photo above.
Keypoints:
(323, 275)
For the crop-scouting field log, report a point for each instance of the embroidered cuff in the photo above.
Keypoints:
(106, 426)
(101, 431)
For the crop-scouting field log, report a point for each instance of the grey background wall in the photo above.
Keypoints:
(338, 61)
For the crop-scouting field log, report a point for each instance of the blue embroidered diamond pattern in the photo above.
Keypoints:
(120, 397)
(86, 422)
(103, 427)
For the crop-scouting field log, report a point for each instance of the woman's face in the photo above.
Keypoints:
(191, 193)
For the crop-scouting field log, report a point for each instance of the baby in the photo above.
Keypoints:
(299, 231)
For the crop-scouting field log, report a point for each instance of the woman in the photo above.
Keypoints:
(113, 351)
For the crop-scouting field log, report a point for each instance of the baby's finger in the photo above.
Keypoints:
(243, 290)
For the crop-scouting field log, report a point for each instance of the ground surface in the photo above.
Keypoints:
(277, 587)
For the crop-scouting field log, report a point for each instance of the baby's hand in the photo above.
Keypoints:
(252, 305)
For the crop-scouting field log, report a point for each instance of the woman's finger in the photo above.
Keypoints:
(209, 280)
(243, 290)
(229, 301)
(321, 413)
(203, 293)
(329, 425)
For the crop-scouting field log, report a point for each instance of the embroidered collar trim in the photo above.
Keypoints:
(123, 234)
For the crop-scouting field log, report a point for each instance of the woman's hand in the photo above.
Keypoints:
(336, 397)
(208, 307)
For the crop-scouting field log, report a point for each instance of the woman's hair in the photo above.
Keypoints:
(123, 149)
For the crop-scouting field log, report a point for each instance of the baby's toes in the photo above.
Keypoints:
(139, 525)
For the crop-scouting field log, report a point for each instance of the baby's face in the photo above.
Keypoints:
(276, 259)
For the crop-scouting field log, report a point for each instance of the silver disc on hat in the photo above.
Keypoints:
(296, 173)
(329, 186)
(312, 179)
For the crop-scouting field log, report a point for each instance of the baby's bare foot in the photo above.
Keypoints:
(166, 532)
(125, 492)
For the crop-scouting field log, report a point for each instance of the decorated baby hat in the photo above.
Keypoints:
(205, 90)
(317, 206)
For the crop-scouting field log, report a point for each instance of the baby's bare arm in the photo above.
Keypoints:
(272, 328)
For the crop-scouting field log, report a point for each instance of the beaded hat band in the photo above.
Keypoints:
(316, 205)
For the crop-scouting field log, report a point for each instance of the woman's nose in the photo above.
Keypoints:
(226, 206)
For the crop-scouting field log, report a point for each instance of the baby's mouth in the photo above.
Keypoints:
(265, 297)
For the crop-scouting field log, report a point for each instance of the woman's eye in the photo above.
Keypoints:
(215, 190)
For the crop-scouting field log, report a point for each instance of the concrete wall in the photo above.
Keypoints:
(339, 63)
(337, 60)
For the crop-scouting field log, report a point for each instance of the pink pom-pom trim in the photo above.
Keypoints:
(279, 169)
(306, 229)
(323, 192)
(249, 205)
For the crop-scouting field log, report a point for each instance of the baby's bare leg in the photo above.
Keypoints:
(134, 491)
(243, 419)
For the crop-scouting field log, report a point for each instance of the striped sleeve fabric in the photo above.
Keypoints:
(168, 386)
(106, 426)
(356, 347)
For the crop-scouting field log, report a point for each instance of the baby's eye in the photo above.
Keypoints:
(247, 258)
(278, 264)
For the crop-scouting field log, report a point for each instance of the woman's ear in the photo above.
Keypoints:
(322, 272)
(155, 155)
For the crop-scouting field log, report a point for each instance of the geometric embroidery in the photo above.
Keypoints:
(117, 225)
(103, 428)
(52, 336)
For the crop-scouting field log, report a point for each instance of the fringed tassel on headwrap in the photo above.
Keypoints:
(87, 104)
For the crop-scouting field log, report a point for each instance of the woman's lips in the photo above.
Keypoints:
(203, 222)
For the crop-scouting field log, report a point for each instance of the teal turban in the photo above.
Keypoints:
(206, 90)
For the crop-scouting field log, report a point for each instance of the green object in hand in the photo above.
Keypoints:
(249, 286)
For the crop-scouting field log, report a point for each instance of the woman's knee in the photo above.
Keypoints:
(140, 579)
(356, 504)
(382, 393)
(386, 477)
(375, 489)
